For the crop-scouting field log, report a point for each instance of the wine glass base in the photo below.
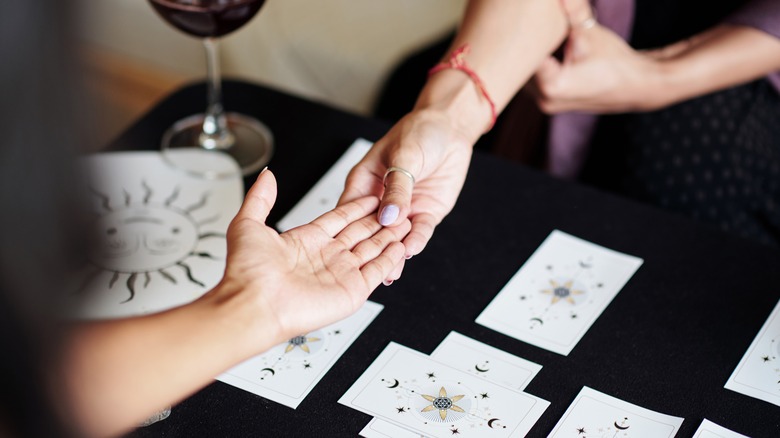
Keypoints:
(252, 148)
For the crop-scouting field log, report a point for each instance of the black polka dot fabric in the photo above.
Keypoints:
(715, 158)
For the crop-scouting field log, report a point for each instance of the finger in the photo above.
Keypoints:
(360, 182)
(397, 199)
(340, 217)
(395, 274)
(579, 14)
(380, 267)
(423, 225)
(358, 231)
(259, 199)
(370, 248)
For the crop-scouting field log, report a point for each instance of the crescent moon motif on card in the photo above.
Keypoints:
(270, 370)
(622, 425)
(481, 370)
(491, 421)
(395, 384)
(539, 320)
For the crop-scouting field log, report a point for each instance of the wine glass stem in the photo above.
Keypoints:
(216, 134)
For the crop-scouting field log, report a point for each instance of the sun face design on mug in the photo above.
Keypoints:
(142, 237)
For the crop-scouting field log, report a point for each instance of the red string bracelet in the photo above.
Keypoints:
(457, 62)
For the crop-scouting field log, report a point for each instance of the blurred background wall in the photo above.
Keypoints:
(334, 51)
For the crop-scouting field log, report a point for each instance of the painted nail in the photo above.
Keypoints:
(264, 169)
(389, 215)
(387, 282)
(408, 256)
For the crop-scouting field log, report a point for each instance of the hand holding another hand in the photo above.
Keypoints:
(425, 144)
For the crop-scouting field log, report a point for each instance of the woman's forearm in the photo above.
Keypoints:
(729, 56)
(119, 372)
(508, 40)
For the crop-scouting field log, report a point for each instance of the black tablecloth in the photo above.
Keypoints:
(668, 341)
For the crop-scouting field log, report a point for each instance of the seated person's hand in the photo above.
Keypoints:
(600, 73)
(426, 145)
(312, 275)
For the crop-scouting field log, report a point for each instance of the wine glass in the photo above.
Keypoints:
(245, 139)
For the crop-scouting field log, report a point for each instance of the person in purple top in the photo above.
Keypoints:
(684, 115)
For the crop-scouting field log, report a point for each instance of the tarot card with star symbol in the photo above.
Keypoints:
(473, 357)
(708, 429)
(559, 292)
(758, 373)
(288, 372)
(597, 415)
(324, 195)
(413, 391)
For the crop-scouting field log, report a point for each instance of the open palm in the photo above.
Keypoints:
(312, 275)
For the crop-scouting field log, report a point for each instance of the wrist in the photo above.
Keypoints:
(454, 95)
(250, 325)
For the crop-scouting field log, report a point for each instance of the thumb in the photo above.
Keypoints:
(397, 198)
(260, 199)
(548, 71)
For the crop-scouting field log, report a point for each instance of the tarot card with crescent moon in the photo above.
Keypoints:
(708, 429)
(324, 195)
(596, 415)
(474, 357)
(758, 373)
(158, 233)
(559, 292)
(288, 372)
(417, 393)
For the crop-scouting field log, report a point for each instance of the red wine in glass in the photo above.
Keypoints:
(244, 138)
(203, 18)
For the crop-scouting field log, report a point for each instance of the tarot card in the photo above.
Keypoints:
(411, 390)
(159, 232)
(487, 362)
(474, 357)
(288, 372)
(559, 292)
(597, 415)
(758, 373)
(325, 194)
(708, 429)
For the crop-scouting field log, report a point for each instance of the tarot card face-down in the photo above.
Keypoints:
(325, 194)
(559, 292)
(417, 393)
(758, 373)
(473, 357)
(288, 372)
(159, 232)
(597, 415)
(708, 429)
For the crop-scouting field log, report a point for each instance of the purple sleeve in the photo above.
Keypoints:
(763, 15)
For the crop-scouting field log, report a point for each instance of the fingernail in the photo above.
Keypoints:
(389, 215)
(387, 282)
(408, 256)
(264, 169)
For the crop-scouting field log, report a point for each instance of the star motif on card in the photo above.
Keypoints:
(443, 403)
(766, 358)
(455, 431)
(580, 430)
(306, 365)
(562, 292)
(431, 375)
(484, 395)
(300, 342)
(400, 410)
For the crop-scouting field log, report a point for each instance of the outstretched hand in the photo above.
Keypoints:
(600, 73)
(436, 154)
(312, 275)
